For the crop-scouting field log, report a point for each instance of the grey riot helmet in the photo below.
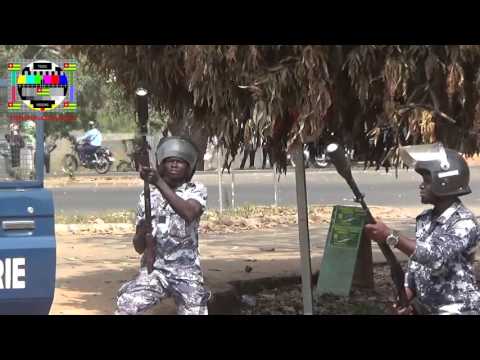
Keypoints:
(178, 147)
(448, 169)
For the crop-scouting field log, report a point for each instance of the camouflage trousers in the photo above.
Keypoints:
(147, 290)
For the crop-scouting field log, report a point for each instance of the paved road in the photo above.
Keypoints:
(323, 186)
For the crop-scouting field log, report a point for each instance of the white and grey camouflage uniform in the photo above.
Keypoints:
(177, 271)
(440, 270)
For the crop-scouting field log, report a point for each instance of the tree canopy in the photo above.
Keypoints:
(425, 93)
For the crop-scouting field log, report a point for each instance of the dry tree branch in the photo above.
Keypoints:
(413, 106)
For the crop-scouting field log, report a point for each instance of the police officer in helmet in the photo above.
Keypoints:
(177, 205)
(440, 273)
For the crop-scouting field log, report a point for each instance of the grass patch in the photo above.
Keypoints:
(248, 211)
(114, 217)
(252, 211)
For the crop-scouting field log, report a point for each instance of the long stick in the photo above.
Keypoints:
(142, 113)
(150, 243)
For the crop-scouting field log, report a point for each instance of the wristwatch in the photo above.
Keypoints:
(393, 238)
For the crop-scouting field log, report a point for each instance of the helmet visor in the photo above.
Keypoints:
(412, 154)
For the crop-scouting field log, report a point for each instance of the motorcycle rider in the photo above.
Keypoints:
(92, 141)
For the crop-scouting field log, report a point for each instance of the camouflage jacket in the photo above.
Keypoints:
(441, 268)
(177, 241)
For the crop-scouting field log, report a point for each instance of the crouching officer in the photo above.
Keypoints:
(440, 274)
(177, 204)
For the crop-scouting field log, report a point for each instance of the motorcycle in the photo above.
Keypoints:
(101, 160)
(131, 148)
(317, 162)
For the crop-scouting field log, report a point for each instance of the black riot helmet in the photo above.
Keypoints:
(178, 147)
(448, 169)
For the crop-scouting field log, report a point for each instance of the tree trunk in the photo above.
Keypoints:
(363, 275)
(200, 138)
(186, 125)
